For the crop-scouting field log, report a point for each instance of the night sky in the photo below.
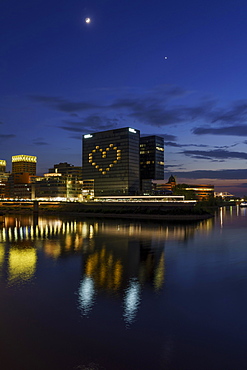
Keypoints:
(177, 69)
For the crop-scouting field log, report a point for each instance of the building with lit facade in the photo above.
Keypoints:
(24, 164)
(64, 180)
(22, 177)
(67, 169)
(152, 157)
(202, 192)
(51, 185)
(112, 159)
(3, 178)
(2, 165)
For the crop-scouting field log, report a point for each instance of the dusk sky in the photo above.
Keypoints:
(177, 69)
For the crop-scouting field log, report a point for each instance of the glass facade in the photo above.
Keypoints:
(111, 158)
(152, 157)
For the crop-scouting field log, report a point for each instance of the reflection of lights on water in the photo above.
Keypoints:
(131, 301)
(159, 274)
(86, 295)
(2, 252)
(34, 232)
(221, 216)
(91, 231)
(22, 264)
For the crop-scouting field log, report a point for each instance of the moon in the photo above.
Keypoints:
(87, 20)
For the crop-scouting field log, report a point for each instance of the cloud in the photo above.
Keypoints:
(39, 142)
(176, 145)
(243, 185)
(76, 137)
(159, 107)
(154, 111)
(76, 106)
(149, 107)
(72, 129)
(47, 99)
(219, 154)
(7, 136)
(170, 167)
(168, 137)
(91, 123)
(240, 130)
(64, 105)
(238, 113)
(236, 174)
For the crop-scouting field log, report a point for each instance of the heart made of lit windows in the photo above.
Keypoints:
(104, 155)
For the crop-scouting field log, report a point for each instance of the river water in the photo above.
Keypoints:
(117, 294)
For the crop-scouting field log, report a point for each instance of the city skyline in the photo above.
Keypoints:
(175, 70)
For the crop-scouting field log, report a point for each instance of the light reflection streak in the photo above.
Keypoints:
(221, 217)
(86, 295)
(159, 274)
(131, 301)
(21, 264)
(2, 253)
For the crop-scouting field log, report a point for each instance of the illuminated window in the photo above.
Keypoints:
(97, 147)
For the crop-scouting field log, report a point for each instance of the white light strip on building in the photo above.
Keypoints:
(132, 130)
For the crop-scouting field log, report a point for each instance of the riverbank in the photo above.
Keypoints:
(133, 210)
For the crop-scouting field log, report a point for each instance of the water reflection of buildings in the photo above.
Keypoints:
(118, 258)
(120, 263)
(122, 258)
(19, 262)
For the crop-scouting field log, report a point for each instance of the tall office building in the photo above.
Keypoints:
(67, 169)
(111, 158)
(24, 164)
(152, 157)
(2, 165)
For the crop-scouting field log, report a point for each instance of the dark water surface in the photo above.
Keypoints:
(112, 294)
